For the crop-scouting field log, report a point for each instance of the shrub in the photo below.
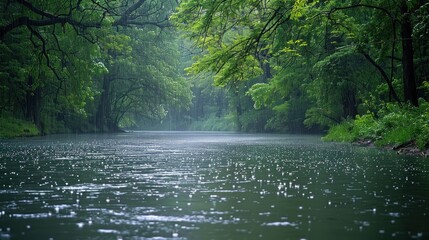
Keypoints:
(394, 125)
(396, 136)
(366, 127)
(341, 133)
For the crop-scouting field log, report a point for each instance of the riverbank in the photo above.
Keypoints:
(409, 148)
(12, 128)
(404, 129)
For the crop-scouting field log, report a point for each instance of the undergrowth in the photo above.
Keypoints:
(392, 125)
(11, 127)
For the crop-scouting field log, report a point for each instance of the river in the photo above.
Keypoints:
(196, 185)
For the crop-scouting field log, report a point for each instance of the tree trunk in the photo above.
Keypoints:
(238, 109)
(220, 102)
(33, 102)
(349, 103)
(408, 77)
(388, 81)
(103, 110)
(198, 104)
(264, 64)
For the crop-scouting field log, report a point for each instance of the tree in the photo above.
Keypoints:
(70, 47)
(326, 53)
(79, 14)
(396, 13)
(145, 82)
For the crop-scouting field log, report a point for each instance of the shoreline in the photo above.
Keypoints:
(409, 148)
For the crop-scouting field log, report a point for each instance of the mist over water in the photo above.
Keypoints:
(191, 185)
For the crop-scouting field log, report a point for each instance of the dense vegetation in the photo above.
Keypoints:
(358, 68)
(319, 63)
(84, 65)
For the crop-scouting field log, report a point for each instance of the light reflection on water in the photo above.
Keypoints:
(158, 185)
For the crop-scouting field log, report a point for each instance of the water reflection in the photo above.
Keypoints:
(208, 186)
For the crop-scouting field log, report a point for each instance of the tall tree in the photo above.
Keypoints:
(333, 50)
(71, 46)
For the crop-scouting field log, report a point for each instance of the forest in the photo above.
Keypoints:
(357, 70)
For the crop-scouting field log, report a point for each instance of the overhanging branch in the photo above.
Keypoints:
(383, 75)
(48, 19)
(361, 5)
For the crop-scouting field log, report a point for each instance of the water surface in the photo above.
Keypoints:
(185, 185)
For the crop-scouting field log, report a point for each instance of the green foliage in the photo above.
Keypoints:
(214, 123)
(366, 127)
(262, 94)
(144, 76)
(396, 136)
(400, 125)
(12, 127)
(230, 32)
(289, 116)
(341, 133)
(394, 125)
(97, 65)
(52, 72)
(255, 120)
(301, 8)
(319, 64)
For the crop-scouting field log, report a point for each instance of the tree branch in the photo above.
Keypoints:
(361, 5)
(124, 18)
(51, 19)
(35, 10)
(26, 21)
(383, 74)
(48, 62)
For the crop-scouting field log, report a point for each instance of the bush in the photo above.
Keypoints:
(365, 127)
(395, 125)
(396, 136)
(342, 132)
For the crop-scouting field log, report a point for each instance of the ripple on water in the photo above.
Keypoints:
(280, 224)
(31, 215)
(91, 187)
(220, 186)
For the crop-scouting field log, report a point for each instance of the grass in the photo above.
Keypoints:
(12, 127)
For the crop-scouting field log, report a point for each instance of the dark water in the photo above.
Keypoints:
(152, 185)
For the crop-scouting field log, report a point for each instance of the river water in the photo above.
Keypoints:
(188, 185)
